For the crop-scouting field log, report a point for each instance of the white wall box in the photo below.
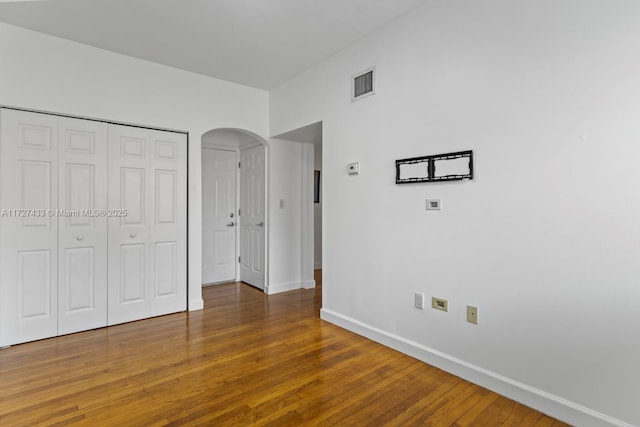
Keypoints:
(71, 259)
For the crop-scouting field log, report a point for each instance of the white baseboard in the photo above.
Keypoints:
(540, 400)
(282, 287)
(196, 304)
(290, 286)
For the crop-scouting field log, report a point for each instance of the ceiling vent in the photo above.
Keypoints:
(362, 84)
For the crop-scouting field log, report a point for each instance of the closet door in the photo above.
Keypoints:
(168, 231)
(147, 246)
(82, 225)
(28, 227)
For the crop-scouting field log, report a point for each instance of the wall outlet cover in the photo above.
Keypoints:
(472, 314)
(439, 304)
(434, 205)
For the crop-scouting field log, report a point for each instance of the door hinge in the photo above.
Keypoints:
(239, 165)
(239, 211)
(239, 259)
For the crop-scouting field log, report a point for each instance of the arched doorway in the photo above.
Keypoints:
(234, 208)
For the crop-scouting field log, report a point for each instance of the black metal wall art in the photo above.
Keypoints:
(441, 167)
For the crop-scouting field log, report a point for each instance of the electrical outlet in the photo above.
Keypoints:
(419, 300)
(434, 205)
(472, 314)
(439, 304)
(353, 168)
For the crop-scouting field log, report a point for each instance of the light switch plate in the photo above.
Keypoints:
(419, 300)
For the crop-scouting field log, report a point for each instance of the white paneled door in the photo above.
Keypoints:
(82, 225)
(28, 233)
(147, 233)
(219, 169)
(93, 224)
(252, 216)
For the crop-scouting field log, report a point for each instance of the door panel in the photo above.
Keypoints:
(168, 232)
(219, 169)
(34, 285)
(35, 186)
(147, 247)
(252, 220)
(80, 188)
(128, 235)
(132, 196)
(165, 197)
(82, 237)
(80, 280)
(28, 270)
(132, 274)
(166, 272)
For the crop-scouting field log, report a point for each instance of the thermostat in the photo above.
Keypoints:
(353, 168)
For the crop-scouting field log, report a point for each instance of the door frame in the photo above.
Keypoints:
(267, 166)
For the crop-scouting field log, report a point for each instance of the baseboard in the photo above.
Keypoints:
(317, 266)
(540, 400)
(309, 284)
(282, 287)
(196, 304)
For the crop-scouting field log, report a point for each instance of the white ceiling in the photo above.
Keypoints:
(258, 43)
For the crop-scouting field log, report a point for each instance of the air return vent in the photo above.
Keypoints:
(362, 84)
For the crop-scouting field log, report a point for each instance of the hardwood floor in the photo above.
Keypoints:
(246, 359)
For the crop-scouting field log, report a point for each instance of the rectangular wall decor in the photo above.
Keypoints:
(440, 167)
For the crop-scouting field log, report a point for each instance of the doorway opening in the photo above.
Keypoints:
(310, 138)
(234, 214)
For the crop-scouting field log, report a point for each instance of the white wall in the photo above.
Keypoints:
(545, 239)
(46, 73)
(290, 223)
(317, 211)
(307, 218)
(285, 212)
(222, 138)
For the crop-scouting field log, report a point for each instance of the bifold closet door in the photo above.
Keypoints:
(54, 238)
(28, 233)
(93, 225)
(147, 245)
(82, 225)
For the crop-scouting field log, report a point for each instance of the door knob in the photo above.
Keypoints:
(132, 235)
(231, 224)
(260, 224)
(78, 238)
